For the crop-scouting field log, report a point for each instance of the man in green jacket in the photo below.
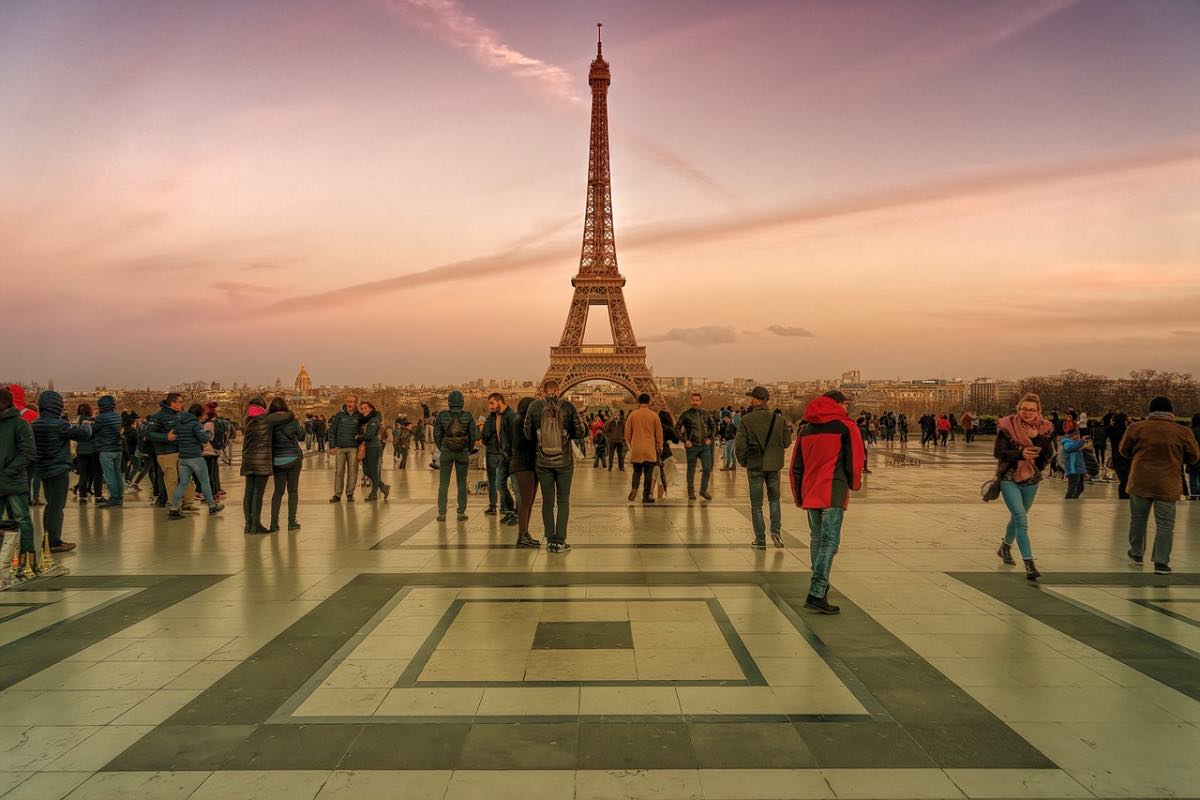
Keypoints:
(455, 434)
(761, 441)
(16, 456)
(343, 446)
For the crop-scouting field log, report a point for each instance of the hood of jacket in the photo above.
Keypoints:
(9, 412)
(455, 399)
(107, 403)
(824, 409)
(50, 404)
(18, 393)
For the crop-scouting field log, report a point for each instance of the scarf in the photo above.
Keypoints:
(1016, 430)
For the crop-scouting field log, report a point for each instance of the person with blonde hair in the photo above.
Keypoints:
(1024, 446)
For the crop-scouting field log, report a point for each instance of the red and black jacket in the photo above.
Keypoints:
(827, 463)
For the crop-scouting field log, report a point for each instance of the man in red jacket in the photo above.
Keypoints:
(827, 465)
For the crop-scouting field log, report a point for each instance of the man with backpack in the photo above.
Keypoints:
(454, 434)
(761, 441)
(343, 443)
(551, 424)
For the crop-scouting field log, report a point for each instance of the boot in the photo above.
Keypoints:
(1031, 571)
(525, 540)
(386, 488)
(821, 604)
(1005, 553)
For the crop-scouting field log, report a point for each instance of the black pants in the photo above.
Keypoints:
(1074, 486)
(646, 468)
(402, 454)
(616, 451)
(256, 487)
(55, 490)
(91, 477)
(527, 487)
(286, 476)
(214, 473)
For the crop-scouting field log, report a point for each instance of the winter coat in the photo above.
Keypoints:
(161, 423)
(1073, 461)
(343, 429)
(369, 434)
(285, 440)
(1158, 449)
(190, 436)
(572, 430)
(644, 432)
(753, 429)
(106, 428)
(1008, 452)
(829, 457)
(52, 436)
(16, 452)
(443, 421)
(694, 426)
(257, 434)
(495, 440)
(403, 436)
(614, 431)
(86, 447)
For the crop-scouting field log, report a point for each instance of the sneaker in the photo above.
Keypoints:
(173, 514)
(759, 545)
(1005, 553)
(706, 495)
(1162, 569)
(820, 604)
(646, 500)
(691, 494)
(441, 517)
(62, 547)
(462, 517)
(371, 498)
(632, 495)
(1135, 560)
(558, 547)
(350, 497)
(337, 498)
(293, 526)
(217, 509)
(777, 540)
(510, 521)
(111, 504)
(490, 511)
(525, 540)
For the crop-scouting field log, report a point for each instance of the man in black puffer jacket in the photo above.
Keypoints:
(52, 436)
(106, 433)
(161, 433)
(16, 454)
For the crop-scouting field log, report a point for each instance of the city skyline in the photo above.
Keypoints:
(1004, 188)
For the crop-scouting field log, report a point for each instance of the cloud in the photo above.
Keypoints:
(702, 336)
(450, 22)
(240, 291)
(1186, 334)
(789, 330)
(682, 167)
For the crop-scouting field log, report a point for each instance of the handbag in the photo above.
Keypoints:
(990, 490)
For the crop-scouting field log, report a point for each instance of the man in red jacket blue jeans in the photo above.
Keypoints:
(827, 465)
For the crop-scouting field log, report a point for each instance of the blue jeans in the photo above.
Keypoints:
(458, 463)
(189, 468)
(1018, 498)
(730, 457)
(825, 534)
(497, 472)
(17, 508)
(758, 479)
(702, 453)
(555, 484)
(1164, 527)
(110, 465)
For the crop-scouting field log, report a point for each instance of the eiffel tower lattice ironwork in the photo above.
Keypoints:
(598, 282)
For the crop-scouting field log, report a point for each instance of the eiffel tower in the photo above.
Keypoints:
(599, 283)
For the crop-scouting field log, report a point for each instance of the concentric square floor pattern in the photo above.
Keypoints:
(380, 653)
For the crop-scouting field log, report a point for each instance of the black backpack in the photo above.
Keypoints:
(455, 438)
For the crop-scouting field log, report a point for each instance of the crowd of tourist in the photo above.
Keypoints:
(534, 446)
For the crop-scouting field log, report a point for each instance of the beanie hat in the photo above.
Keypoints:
(1162, 404)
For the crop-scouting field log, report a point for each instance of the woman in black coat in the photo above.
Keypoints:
(287, 459)
(368, 436)
(522, 458)
(257, 459)
(1121, 464)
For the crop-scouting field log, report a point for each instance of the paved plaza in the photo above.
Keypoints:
(379, 653)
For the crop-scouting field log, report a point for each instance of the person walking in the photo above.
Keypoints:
(762, 438)
(522, 462)
(214, 426)
(257, 458)
(943, 430)
(321, 432)
(402, 441)
(666, 458)
(644, 432)
(106, 436)
(697, 429)
(968, 426)
(496, 449)
(827, 465)
(17, 455)
(287, 461)
(1074, 465)
(552, 423)
(370, 438)
(343, 444)
(190, 436)
(1116, 432)
(161, 431)
(454, 435)
(1024, 447)
(1158, 450)
(52, 436)
(614, 437)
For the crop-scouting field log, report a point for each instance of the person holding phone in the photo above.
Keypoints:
(1024, 446)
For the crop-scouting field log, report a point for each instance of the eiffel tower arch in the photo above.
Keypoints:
(599, 282)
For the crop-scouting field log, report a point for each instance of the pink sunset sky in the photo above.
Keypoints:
(392, 190)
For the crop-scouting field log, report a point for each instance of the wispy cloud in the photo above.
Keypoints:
(702, 336)
(451, 23)
(790, 330)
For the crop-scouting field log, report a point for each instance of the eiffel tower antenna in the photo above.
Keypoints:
(598, 282)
